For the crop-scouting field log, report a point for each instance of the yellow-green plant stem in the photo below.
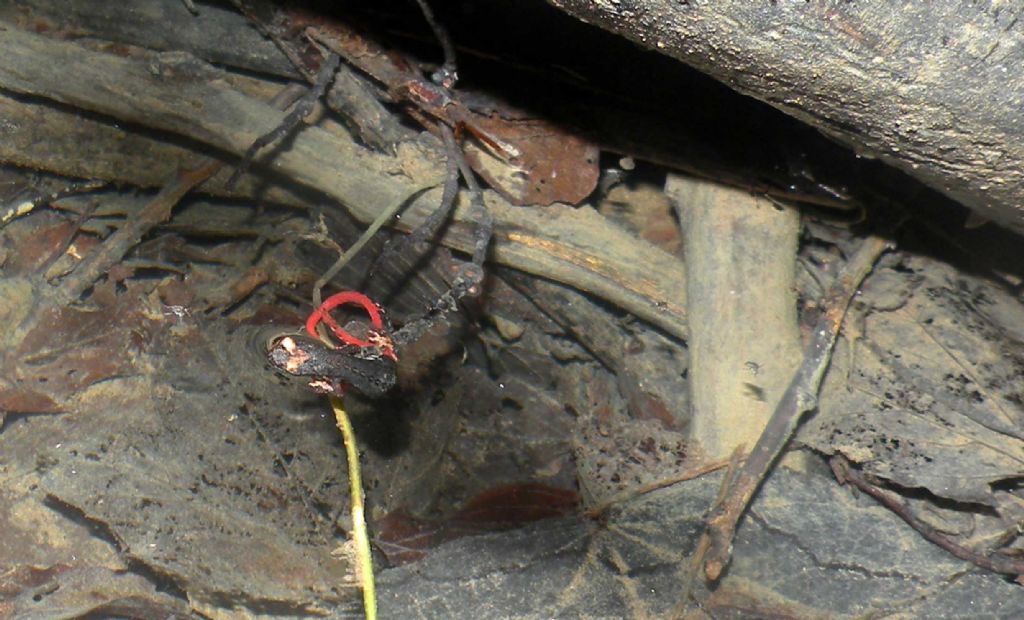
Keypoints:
(384, 217)
(364, 560)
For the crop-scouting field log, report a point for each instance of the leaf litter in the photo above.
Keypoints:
(924, 394)
(930, 401)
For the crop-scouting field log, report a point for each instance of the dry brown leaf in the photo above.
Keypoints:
(933, 397)
(404, 538)
(543, 164)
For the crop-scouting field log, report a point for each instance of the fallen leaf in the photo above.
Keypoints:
(933, 397)
(404, 538)
(541, 163)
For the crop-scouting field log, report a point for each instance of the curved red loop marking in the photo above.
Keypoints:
(339, 299)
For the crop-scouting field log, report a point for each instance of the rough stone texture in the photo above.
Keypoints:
(808, 549)
(934, 89)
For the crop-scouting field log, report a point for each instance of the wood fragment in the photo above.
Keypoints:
(40, 136)
(574, 246)
(855, 90)
(740, 254)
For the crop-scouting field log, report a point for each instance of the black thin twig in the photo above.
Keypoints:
(293, 119)
(468, 275)
(420, 237)
(448, 74)
(479, 213)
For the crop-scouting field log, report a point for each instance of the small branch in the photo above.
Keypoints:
(800, 397)
(599, 510)
(995, 562)
(744, 340)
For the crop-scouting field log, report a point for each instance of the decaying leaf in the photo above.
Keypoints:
(404, 538)
(933, 396)
(547, 164)
(627, 455)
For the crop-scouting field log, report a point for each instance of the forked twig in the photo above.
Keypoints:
(468, 275)
(599, 510)
(800, 397)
